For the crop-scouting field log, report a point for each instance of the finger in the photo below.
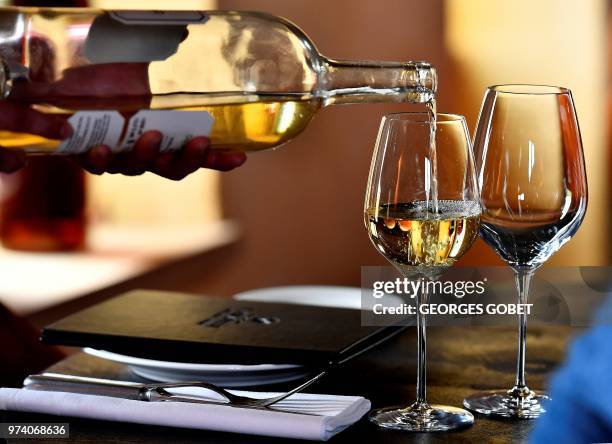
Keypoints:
(167, 166)
(144, 152)
(11, 161)
(23, 119)
(193, 154)
(140, 158)
(100, 157)
(224, 160)
(164, 161)
(96, 160)
(185, 161)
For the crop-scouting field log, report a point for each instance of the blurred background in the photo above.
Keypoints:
(294, 216)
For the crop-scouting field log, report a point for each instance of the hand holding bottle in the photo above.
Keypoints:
(145, 155)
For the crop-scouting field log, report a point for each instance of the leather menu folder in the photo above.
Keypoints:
(191, 328)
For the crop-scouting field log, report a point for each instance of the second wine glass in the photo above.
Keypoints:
(422, 214)
(533, 195)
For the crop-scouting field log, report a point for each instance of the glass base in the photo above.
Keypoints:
(514, 403)
(422, 418)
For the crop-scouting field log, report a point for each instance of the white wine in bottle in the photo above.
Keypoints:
(249, 81)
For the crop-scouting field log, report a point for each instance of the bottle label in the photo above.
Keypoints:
(94, 128)
(177, 127)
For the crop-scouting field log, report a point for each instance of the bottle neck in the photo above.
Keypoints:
(359, 82)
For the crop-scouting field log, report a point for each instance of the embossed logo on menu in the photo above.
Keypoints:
(237, 316)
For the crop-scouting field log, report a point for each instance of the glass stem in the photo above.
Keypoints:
(421, 387)
(523, 283)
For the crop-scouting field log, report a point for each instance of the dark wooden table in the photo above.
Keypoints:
(461, 360)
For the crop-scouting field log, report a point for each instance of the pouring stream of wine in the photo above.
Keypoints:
(432, 173)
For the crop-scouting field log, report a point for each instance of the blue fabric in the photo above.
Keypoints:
(581, 391)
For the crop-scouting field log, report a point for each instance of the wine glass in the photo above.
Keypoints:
(533, 195)
(422, 214)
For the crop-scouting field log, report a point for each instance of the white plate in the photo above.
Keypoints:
(316, 295)
(186, 366)
(353, 298)
(227, 380)
(226, 375)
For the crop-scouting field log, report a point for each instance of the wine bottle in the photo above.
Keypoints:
(250, 81)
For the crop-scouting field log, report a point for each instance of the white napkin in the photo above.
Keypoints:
(336, 412)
